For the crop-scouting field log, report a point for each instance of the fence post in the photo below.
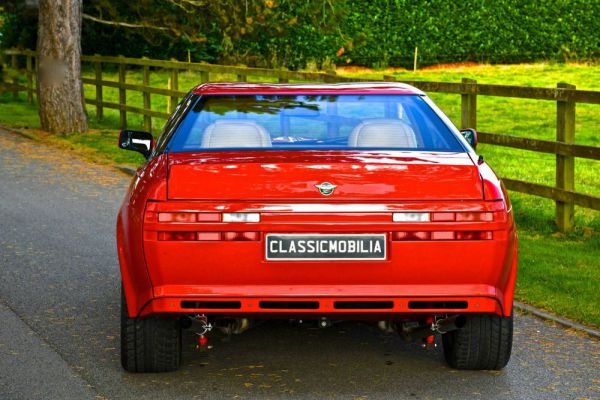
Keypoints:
(174, 86)
(14, 65)
(468, 104)
(147, 103)
(30, 79)
(99, 99)
(565, 165)
(122, 96)
(2, 72)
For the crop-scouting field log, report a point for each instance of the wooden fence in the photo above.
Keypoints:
(566, 96)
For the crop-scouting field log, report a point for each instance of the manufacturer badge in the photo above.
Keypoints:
(326, 188)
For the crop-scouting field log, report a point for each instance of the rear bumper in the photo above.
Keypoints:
(480, 273)
(391, 301)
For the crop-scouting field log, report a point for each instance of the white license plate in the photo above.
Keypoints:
(306, 247)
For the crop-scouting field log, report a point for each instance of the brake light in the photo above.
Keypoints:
(208, 217)
(208, 236)
(240, 236)
(188, 217)
(411, 236)
(177, 217)
(442, 235)
(177, 236)
(474, 235)
(443, 216)
(474, 216)
(462, 216)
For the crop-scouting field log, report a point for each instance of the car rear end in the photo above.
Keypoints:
(237, 248)
(383, 214)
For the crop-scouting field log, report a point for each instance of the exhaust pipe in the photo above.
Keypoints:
(439, 326)
(235, 326)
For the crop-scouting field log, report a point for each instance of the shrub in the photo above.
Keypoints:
(377, 33)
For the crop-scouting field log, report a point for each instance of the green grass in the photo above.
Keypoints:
(560, 273)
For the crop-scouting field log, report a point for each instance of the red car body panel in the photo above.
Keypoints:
(293, 175)
(302, 88)
(233, 277)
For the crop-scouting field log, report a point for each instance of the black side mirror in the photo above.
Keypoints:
(139, 141)
(471, 136)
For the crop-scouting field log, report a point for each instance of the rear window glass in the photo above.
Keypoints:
(328, 122)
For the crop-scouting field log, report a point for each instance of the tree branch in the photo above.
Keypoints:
(142, 26)
(193, 3)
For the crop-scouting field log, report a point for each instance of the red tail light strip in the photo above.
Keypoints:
(255, 236)
(191, 217)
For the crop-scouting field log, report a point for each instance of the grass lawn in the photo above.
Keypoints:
(560, 273)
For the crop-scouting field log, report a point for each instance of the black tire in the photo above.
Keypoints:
(485, 342)
(151, 344)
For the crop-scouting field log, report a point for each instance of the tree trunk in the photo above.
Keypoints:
(60, 91)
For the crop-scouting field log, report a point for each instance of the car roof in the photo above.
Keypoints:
(306, 88)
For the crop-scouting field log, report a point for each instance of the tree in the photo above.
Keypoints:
(60, 91)
(265, 33)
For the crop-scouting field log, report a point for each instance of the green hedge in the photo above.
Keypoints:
(497, 31)
(372, 32)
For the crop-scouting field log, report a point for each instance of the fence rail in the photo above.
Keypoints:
(566, 97)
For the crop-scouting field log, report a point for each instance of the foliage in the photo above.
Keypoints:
(18, 25)
(256, 32)
(294, 34)
(387, 31)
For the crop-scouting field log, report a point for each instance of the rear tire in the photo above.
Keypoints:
(485, 342)
(151, 344)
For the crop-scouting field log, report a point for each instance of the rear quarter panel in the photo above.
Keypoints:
(149, 183)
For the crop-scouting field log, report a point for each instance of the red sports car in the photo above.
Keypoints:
(318, 202)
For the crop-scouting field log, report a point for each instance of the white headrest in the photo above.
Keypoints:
(235, 133)
(383, 133)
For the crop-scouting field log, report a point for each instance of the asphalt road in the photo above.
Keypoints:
(59, 318)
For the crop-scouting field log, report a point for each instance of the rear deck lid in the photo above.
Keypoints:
(322, 175)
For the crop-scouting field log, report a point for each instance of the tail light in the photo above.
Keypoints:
(442, 235)
(462, 216)
(474, 235)
(183, 217)
(177, 236)
(443, 217)
(411, 236)
(241, 236)
(200, 234)
(208, 236)
(177, 217)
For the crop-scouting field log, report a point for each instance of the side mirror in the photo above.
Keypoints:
(471, 136)
(139, 141)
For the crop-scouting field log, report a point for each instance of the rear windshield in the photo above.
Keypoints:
(326, 122)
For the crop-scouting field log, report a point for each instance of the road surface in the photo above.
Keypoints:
(59, 310)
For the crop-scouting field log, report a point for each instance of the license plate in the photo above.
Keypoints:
(326, 247)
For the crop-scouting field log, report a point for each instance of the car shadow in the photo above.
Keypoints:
(348, 359)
